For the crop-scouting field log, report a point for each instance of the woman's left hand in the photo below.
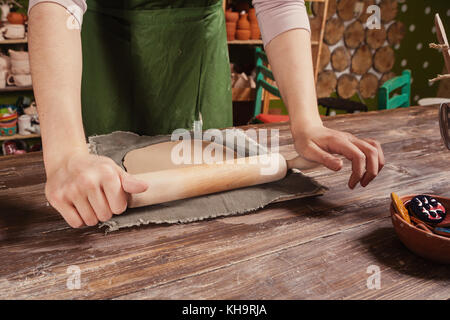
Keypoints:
(320, 144)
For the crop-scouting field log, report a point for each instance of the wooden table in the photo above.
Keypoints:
(301, 249)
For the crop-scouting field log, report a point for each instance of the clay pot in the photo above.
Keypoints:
(255, 32)
(252, 15)
(231, 16)
(231, 31)
(243, 23)
(16, 18)
(243, 34)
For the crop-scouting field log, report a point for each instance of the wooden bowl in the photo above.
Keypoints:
(422, 242)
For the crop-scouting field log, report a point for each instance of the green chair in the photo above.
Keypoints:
(402, 100)
(263, 73)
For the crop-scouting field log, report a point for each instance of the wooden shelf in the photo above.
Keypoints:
(245, 42)
(14, 41)
(15, 88)
(258, 42)
(19, 136)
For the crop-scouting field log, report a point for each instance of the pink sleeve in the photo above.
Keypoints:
(76, 7)
(278, 16)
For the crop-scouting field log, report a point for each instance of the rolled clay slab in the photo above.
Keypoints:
(169, 181)
(158, 157)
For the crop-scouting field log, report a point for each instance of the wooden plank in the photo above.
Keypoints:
(16, 88)
(20, 136)
(313, 248)
(13, 41)
(333, 267)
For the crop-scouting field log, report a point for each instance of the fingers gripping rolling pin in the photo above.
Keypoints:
(182, 183)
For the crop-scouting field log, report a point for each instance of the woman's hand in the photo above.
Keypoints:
(319, 144)
(86, 189)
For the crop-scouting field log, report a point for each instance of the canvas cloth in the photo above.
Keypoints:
(116, 145)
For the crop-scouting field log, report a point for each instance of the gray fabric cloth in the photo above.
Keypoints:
(116, 145)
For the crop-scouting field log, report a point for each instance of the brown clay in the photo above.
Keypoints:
(231, 31)
(243, 34)
(231, 16)
(255, 32)
(243, 23)
(16, 18)
(252, 15)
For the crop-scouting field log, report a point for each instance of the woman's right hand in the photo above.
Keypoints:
(86, 189)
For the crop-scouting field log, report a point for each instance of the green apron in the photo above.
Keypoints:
(154, 66)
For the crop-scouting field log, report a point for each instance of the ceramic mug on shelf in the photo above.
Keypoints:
(19, 80)
(26, 126)
(14, 31)
(444, 113)
(20, 66)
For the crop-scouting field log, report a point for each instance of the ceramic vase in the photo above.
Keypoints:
(243, 23)
(243, 27)
(231, 31)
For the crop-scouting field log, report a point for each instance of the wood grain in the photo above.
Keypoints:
(334, 31)
(362, 60)
(354, 34)
(340, 59)
(311, 248)
(384, 59)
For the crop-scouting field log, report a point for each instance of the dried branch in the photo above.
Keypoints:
(440, 47)
(439, 78)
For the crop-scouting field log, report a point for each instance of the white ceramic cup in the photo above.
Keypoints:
(20, 80)
(24, 124)
(14, 31)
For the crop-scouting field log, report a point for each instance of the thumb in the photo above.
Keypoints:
(315, 153)
(131, 184)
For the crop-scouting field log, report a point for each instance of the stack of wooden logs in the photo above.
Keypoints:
(354, 58)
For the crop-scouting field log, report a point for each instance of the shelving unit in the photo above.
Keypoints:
(14, 41)
(245, 42)
(8, 89)
(15, 89)
(19, 136)
(248, 94)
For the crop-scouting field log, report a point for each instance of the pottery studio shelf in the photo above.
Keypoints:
(19, 136)
(14, 41)
(15, 89)
(245, 42)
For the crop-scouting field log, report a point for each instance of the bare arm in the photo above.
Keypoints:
(55, 57)
(290, 57)
(84, 188)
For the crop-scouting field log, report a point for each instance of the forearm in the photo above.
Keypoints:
(291, 61)
(56, 65)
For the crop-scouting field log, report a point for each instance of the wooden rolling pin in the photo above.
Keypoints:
(176, 184)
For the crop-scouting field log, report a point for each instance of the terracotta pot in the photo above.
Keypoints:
(231, 16)
(255, 32)
(252, 15)
(243, 23)
(16, 18)
(231, 30)
(243, 34)
(419, 240)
